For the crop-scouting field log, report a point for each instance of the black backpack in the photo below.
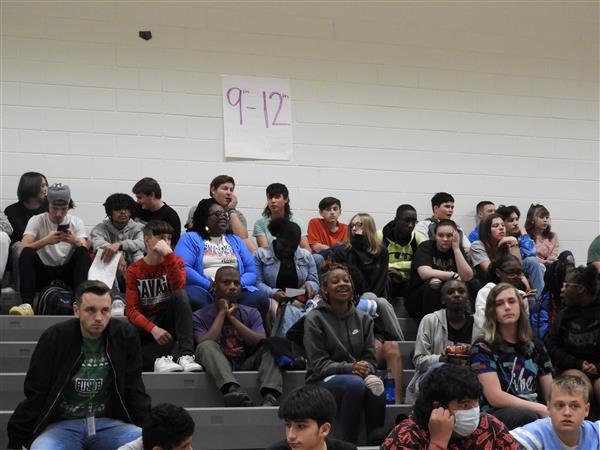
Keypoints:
(55, 300)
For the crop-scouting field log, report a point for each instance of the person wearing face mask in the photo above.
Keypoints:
(442, 330)
(282, 265)
(574, 339)
(364, 251)
(446, 416)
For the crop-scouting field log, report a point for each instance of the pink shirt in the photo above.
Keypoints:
(546, 249)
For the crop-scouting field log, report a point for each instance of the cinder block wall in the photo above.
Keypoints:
(391, 102)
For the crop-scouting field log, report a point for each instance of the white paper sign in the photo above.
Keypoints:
(102, 271)
(257, 117)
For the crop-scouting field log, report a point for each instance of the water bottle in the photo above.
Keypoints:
(389, 388)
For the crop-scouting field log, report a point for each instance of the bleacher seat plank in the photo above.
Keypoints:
(233, 428)
(184, 389)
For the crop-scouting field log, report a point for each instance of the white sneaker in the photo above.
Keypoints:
(118, 308)
(189, 364)
(166, 364)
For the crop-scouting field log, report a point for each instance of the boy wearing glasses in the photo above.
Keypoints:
(401, 241)
(158, 305)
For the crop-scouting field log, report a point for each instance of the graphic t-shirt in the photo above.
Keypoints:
(462, 335)
(427, 254)
(87, 391)
(217, 253)
(518, 373)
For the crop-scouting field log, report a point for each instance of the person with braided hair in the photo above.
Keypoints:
(340, 348)
(574, 340)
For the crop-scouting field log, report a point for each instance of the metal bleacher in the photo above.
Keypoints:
(217, 427)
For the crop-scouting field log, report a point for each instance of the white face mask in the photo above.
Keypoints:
(466, 421)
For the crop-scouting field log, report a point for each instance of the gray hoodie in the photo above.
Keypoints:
(333, 343)
(130, 237)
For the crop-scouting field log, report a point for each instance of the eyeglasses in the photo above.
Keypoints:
(356, 225)
(219, 214)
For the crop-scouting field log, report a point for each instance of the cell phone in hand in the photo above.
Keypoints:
(64, 227)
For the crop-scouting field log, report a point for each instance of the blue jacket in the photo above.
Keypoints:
(526, 246)
(191, 249)
(268, 269)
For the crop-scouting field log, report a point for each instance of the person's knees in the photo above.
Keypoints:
(391, 349)
(4, 240)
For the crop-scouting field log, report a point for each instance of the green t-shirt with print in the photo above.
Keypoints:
(87, 391)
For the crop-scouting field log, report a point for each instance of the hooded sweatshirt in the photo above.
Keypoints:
(130, 237)
(334, 343)
(575, 337)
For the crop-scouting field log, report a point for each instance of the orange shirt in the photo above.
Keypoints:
(318, 233)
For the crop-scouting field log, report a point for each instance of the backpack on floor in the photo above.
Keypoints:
(55, 300)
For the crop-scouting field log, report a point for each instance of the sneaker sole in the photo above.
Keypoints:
(174, 369)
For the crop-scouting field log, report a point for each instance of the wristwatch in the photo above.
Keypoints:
(232, 211)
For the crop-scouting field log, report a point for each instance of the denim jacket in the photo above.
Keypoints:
(267, 265)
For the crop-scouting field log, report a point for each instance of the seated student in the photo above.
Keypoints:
(444, 335)
(283, 264)
(85, 374)
(505, 269)
(545, 311)
(401, 242)
(308, 412)
(434, 262)
(538, 227)
(573, 341)
(341, 361)
(228, 335)
(168, 427)
(158, 305)
(221, 189)
(119, 233)
(492, 244)
(593, 253)
(206, 247)
(515, 370)
(364, 251)
(483, 209)
(148, 193)
(326, 231)
(531, 267)
(278, 206)
(446, 416)
(31, 195)
(54, 246)
(442, 205)
(566, 428)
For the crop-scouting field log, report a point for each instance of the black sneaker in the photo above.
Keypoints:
(270, 400)
(236, 398)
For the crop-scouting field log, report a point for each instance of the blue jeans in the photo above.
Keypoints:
(354, 399)
(200, 297)
(72, 435)
(534, 273)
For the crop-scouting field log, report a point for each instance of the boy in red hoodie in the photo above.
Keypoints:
(158, 305)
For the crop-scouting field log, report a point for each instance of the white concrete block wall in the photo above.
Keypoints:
(392, 102)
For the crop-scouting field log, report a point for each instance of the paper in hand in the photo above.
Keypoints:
(291, 292)
(102, 271)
